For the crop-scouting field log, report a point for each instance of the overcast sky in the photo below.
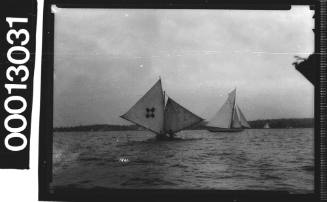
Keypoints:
(106, 59)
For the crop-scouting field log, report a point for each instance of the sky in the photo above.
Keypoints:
(107, 59)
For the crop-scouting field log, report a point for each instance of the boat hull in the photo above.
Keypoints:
(216, 129)
(166, 137)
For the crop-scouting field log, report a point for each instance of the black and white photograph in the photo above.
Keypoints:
(182, 99)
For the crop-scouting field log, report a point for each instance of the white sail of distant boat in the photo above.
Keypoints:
(266, 125)
(229, 118)
(243, 120)
(223, 117)
(151, 112)
(236, 122)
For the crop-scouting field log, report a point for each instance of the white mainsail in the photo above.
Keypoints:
(177, 117)
(266, 125)
(223, 118)
(243, 120)
(149, 110)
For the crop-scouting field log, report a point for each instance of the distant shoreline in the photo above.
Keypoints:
(273, 123)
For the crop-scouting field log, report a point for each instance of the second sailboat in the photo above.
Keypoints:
(229, 118)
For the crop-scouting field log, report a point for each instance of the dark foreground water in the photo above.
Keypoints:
(258, 159)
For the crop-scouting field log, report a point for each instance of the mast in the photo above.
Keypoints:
(164, 114)
(163, 92)
(233, 110)
(223, 118)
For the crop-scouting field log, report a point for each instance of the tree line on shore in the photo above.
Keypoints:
(284, 123)
(273, 123)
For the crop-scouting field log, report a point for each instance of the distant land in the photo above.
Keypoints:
(273, 123)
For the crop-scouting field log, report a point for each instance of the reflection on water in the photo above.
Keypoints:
(259, 159)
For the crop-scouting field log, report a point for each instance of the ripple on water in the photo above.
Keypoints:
(139, 181)
(252, 159)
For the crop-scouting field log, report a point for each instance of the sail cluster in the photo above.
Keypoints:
(229, 115)
(152, 113)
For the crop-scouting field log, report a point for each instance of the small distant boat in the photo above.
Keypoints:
(152, 113)
(266, 126)
(229, 118)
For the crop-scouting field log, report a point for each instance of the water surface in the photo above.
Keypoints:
(258, 159)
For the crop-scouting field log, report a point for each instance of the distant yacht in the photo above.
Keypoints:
(266, 125)
(229, 118)
(152, 113)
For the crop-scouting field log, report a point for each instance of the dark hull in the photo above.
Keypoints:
(215, 129)
(166, 137)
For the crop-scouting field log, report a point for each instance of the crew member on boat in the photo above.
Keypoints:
(171, 134)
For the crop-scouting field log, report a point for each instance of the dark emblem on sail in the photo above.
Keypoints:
(150, 112)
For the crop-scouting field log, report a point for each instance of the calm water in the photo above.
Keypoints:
(259, 159)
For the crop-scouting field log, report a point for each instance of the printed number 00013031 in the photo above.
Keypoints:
(17, 71)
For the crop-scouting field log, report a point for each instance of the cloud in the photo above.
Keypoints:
(106, 59)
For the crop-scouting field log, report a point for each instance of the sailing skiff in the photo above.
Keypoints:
(162, 118)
